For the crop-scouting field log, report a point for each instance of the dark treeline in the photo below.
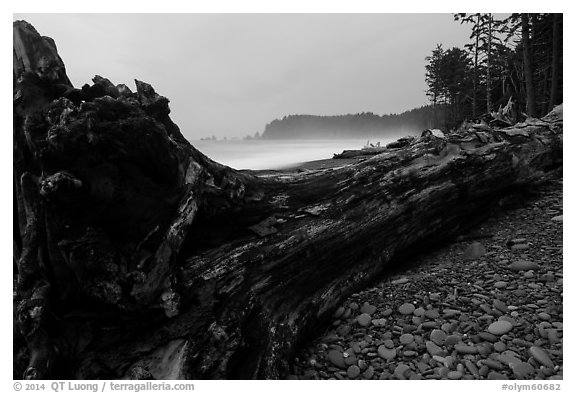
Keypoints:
(362, 125)
(517, 59)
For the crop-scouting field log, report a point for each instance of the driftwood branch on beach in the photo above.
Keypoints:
(137, 256)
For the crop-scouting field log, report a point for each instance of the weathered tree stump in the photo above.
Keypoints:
(137, 256)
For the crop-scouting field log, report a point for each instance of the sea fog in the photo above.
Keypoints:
(276, 154)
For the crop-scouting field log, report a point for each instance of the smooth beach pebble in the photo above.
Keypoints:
(336, 358)
(522, 370)
(499, 346)
(544, 316)
(401, 370)
(389, 344)
(386, 353)
(466, 349)
(499, 328)
(433, 349)
(438, 336)
(522, 265)
(406, 309)
(452, 340)
(364, 319)
(406, 339)
(368, 308)
(541, 356)
(353, 371)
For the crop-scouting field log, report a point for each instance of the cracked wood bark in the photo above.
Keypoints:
(139, 257)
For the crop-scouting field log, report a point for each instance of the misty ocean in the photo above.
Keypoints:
(276, 154)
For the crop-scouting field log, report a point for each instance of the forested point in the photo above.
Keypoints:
(360, 125)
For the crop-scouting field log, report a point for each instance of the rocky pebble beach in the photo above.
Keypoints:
(486, 306)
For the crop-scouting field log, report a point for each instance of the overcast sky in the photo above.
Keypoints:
(230, 74)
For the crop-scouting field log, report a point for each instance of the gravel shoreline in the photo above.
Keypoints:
(487, 306)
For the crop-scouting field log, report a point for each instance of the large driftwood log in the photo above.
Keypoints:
(137, 256)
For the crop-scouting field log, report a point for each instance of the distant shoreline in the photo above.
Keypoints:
(326, 163)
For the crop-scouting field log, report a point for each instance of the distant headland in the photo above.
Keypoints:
(360, 125)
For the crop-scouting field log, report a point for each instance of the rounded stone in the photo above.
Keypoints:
(369, 373)
(438, 336)
(419, 312)
(493, 375)
(401, 370)
(522, 265)
(406, 339)
(367, 308)
(449, 312)
(500, 306)
(488, 337)
(353, 371)
(541, 356)
(442, 371)
(364, 319)
(544, 316)
(466, 349)
(499, 346)
(386, 353)
(432, 314)
(433, 349)
(520, 247)
(493, 364)
(454, 375)
(499, 328)
(389, 344)
(500, 284)
(406, 309)
(522, 370)
(452, 340)
(484, 349)
(350, 360)
(508, 358)
(336, 358)
(429, 325)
